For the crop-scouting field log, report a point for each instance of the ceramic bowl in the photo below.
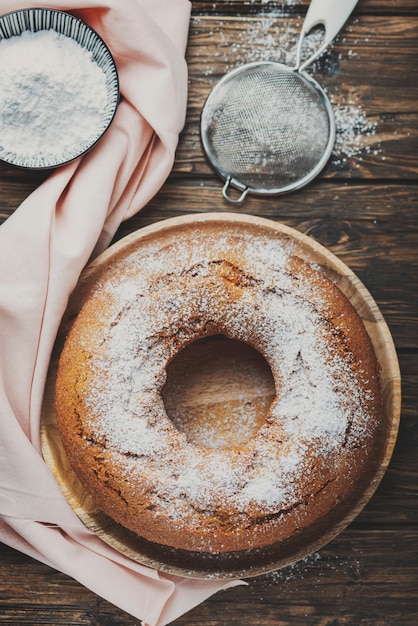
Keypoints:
(23, 26)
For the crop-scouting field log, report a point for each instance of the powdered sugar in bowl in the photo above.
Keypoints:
(59, 88)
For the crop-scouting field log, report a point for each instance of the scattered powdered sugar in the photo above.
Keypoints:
(272, 36)
(353, 130)
(174, 295)
(51, 98)
(313, 564)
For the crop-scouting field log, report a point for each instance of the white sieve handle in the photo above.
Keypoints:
(332, 14)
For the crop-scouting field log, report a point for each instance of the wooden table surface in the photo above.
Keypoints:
(364, 208)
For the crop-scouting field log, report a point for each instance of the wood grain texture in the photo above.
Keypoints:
(364, 209)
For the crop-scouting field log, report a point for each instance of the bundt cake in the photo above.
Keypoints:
(249, 284)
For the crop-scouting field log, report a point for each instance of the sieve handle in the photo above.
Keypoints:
(228, 183)
(332, 14)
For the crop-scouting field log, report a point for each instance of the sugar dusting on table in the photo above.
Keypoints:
(272, 36)
(314, 567)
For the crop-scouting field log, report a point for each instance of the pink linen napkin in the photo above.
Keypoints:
(44, 246)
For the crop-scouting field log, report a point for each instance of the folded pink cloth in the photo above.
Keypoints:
(44, 246)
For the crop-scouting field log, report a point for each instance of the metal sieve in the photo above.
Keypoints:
(267, 127)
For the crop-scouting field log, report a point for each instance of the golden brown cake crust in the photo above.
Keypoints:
(317, 439)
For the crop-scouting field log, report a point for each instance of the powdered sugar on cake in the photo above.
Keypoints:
(168, 296)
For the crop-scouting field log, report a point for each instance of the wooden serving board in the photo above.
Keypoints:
(217, 387)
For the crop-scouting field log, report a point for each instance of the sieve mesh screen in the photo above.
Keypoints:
(265, 126)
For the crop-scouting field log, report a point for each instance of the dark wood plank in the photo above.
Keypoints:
(246, 7)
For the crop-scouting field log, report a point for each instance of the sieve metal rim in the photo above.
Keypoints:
(234, 182)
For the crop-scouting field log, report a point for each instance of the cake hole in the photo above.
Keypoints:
(218, 392)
